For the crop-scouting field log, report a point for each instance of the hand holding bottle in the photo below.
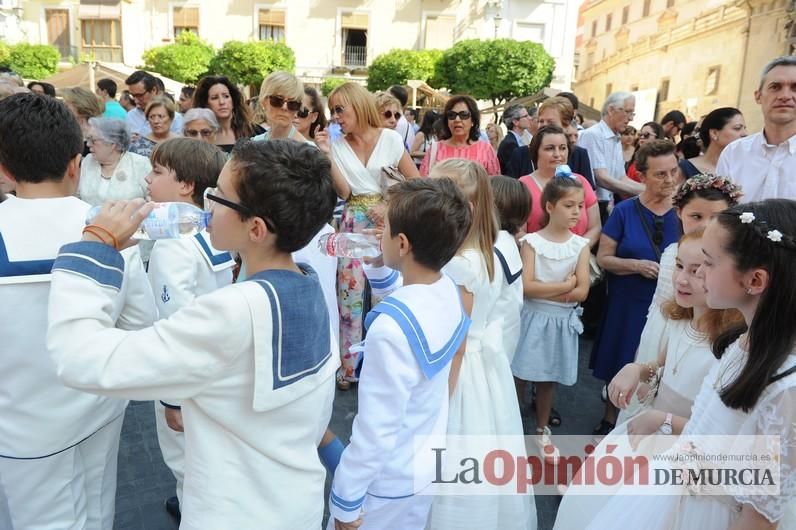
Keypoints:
(118, 220)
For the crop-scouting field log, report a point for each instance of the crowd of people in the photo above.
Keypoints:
(672, 244)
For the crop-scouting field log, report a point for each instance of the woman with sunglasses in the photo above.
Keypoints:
(649, 131)
(460, 137)
(357, 158)
(200, 124)
(389, 109)
(631, 246)
(219, 94)
(310, 117)
(281, 95)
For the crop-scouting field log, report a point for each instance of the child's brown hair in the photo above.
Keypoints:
(192, 161)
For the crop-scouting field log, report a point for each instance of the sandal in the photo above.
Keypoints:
(548, 451)
(343, 383)
(555, 418)
(603, 428)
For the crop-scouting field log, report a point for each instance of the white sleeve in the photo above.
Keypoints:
(139, 310)
(389, 372)
(172, 275)
(174, 359)
(723, 168)
(383, 280)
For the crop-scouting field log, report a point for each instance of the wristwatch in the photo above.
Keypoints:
(666, 428)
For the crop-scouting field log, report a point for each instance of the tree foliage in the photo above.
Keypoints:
(397, 66)
(5, 54)
(330, 83)
(498, 70)
(248, 63)
(34, 61)
(187, 60)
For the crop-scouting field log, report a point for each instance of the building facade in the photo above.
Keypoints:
(692, 55)
(329, 37)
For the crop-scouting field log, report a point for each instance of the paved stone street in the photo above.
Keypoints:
(145, 481)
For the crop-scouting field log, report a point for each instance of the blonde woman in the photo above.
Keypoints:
(159, 114)
(495, 135)
(357, 158)
(389, 109)
(281, 96)
(84, 105)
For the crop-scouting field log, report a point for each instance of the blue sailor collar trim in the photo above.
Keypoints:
(430, 362)
(511, 277)
(217, 260)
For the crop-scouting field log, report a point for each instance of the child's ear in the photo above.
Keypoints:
(258, 232)
(549, 207)
(404, 246)
(756, 281)
(187, 188)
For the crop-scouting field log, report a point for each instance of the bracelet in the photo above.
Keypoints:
(651, 370)
(90, 229)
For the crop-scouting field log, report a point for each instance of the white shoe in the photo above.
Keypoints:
(548, 451)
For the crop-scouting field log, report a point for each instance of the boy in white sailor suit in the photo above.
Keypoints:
(58, 446)
(182, 269)
(252, 362)
(413, 335)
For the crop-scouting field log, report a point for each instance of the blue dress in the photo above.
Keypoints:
(629, 296)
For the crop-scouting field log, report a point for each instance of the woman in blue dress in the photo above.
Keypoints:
(630, 249)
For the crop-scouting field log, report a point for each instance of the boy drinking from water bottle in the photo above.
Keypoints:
(253, 362)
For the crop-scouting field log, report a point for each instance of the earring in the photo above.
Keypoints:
(749, 290)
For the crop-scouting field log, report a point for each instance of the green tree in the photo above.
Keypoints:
(330, 83)
(5, 54)
(498, 70)
(248, 63)
(396, 67)
(34, 61)
(187, 60)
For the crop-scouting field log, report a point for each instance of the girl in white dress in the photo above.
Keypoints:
(696, 200)
(749, 254)
(555, 278)
(684, 362)
(482, 400)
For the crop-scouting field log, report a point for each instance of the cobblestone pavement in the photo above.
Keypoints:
(144, 481)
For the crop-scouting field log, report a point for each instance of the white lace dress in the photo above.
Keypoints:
(484, 402)
(774, 414)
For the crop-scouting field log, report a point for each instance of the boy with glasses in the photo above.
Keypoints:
(254, 362)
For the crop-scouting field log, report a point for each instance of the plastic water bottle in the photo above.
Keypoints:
(167, 220)
(335, 131)
(348, 245)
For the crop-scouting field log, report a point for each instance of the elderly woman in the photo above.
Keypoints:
(720, 127)
(310, 118)
(200, 124)
(84, 105)
(389, 109)
(110, 171)
(159, 113)
(630, 252)
(357, 158)
(220, 95)
(557, 111)
(549, 149)
(460, 137)
(281, 95)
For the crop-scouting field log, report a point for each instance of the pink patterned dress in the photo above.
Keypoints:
(479, 151)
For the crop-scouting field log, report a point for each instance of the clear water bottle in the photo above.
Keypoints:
(335, 131)
(348, 245)
(167, 220)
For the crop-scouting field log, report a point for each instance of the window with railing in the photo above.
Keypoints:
(102, 39)
(271, 25)
(355, 39)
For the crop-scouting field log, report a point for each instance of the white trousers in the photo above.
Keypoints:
(172, 445)
(409, 513)
(72, 490)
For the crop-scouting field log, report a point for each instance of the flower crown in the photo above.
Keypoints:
(706, 181)
(773, 235)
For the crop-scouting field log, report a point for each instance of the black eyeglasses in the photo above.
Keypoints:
(462, 115)
(193, 133)
(278, 101)
(303, 113)
(657, 235)
(389, 114)
(211, 195)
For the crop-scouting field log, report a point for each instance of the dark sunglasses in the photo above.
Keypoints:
(646, 135)
(657, 235)
(389, 114)
(462, 115)
(210, 195)
(278, 101)
(303, 112)
(337, 109)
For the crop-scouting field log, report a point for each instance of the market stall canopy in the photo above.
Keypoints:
(86, 75)
(535, 100)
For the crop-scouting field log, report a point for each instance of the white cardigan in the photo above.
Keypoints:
(126, 183)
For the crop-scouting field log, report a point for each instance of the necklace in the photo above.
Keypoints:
(694, 337)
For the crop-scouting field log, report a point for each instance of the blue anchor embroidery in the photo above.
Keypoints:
(165, 295)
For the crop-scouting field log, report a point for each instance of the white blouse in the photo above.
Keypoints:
(127, 181)
(364, 179)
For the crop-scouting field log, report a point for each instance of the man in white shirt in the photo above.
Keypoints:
(142, 87)
(603, 142)
(764, 163)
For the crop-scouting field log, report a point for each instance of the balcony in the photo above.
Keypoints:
(355, 56)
